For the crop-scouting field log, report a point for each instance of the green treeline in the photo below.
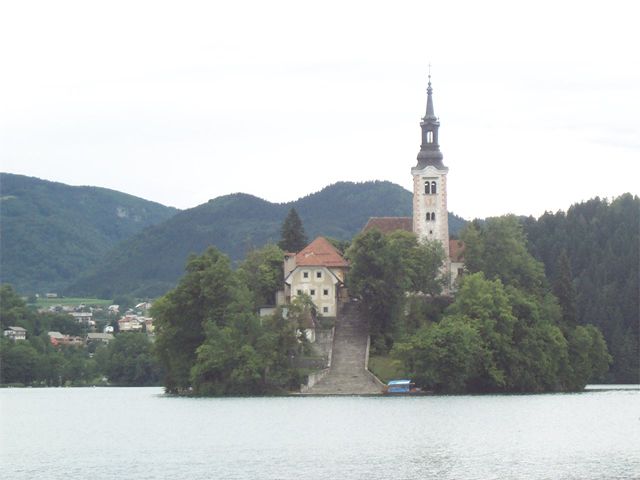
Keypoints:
(594, 249)
(210, 339)
(52, 233)
(503, 332)
(127, 360)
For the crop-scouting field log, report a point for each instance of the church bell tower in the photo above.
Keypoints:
(430, 215)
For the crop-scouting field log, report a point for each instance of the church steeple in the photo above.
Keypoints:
(430, 149)
(430, 113)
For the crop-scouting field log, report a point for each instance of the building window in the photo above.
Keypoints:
(325, 309)
(428, 216)
(298, 292)
(430, 187)
(318, 274)
(325, 292)
(433, 216)
(305, 274)
(429, 137)
(312, 292)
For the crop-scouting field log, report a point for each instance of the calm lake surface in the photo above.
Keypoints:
(139, 433)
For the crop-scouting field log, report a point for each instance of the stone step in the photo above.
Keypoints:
(347, 375)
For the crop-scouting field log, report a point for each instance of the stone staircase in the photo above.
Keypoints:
(348, 375)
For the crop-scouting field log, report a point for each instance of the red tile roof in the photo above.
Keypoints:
(389, 224)
(320, 253)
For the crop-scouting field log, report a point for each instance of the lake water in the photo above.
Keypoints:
(139, 433)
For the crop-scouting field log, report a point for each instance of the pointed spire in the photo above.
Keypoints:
(430, 149)
(430, 113)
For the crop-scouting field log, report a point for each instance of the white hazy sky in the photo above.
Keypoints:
(180, 102)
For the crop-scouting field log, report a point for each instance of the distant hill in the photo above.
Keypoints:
(51, 232)
(150, 263)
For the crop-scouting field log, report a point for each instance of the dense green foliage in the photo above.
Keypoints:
(505, 331)
(599, 277)
(51, 232)
(127, 360)
(209, 337)
(236, 224)
(292, 235)
(383, 269)
(262, 272)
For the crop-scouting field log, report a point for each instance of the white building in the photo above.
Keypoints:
(15, 333)
(318, 270)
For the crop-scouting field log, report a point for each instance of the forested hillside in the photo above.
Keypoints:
(51, 232)
(602, 243)
(151, 262)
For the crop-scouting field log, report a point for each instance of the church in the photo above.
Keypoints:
(319, 270)
(430, 219)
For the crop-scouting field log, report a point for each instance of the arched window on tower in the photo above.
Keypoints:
(427, 187)
(428, 216)
(433, 216)
(429, 136)
(433, 188)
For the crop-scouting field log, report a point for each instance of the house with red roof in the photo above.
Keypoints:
(319, 271)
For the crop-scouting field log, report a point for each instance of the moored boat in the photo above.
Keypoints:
(402, 387)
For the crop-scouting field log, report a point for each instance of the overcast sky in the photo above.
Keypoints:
(180, 102)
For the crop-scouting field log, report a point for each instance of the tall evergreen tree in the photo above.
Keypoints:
(565, 291)
(293, 236)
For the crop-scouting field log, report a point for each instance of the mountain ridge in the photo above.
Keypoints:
(51, 230)
(237, 223)
(84, 240)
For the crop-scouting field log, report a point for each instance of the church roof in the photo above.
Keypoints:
(456, 250)
(389, 224)
(320, 253)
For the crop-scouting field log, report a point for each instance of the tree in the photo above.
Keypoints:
(293, 237)
(376, 277)
(202, 296)
(565, 291)
(13, 310)
(499, 249)
(444, 356)
(246, 356)
(262, 273)
(384, 269)
(130, 360)
(19, 362)
(485, 305)
(589, 357)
